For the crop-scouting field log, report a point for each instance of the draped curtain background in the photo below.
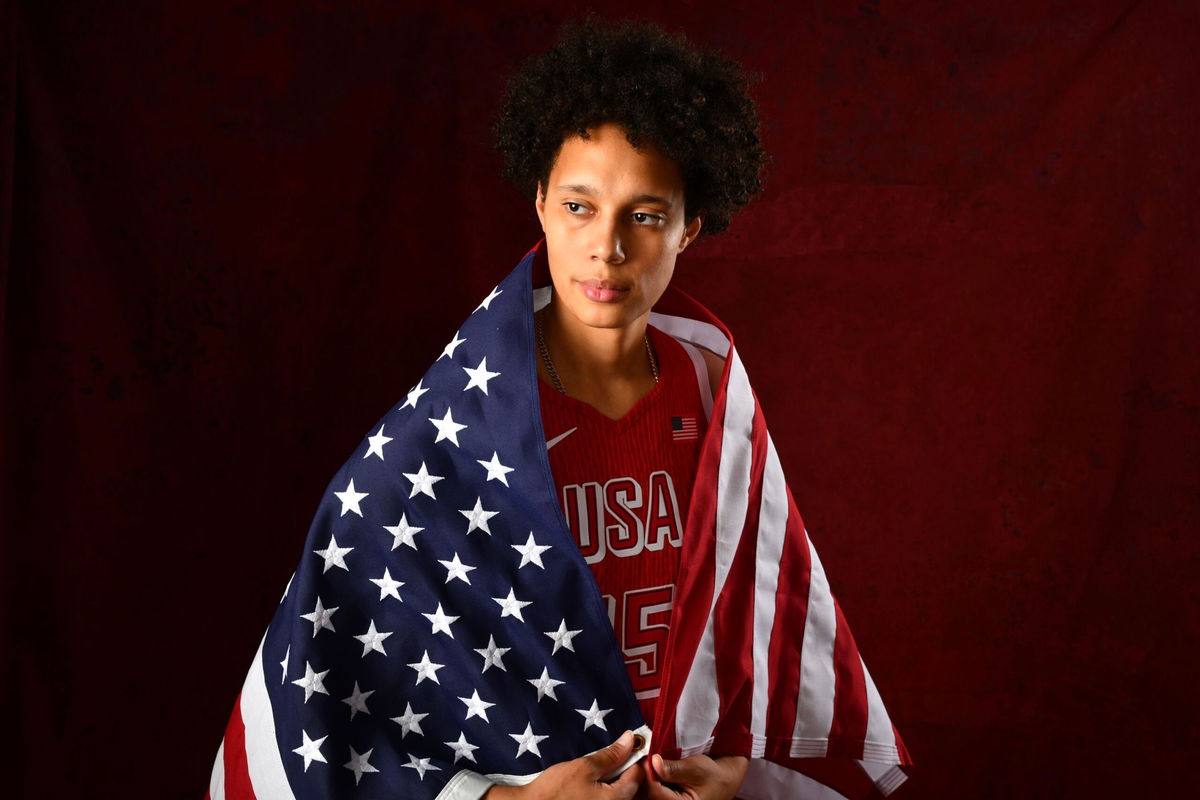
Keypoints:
(233, 234)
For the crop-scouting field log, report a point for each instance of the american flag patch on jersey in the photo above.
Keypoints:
(684, 429)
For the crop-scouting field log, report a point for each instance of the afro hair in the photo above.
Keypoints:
(691, 104)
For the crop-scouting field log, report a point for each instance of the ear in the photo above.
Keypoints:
(691, 230)
(539, 205)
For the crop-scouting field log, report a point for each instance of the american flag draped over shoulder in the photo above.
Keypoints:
(442, 625)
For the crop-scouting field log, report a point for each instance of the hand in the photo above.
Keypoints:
(698, 777)
(580, 778)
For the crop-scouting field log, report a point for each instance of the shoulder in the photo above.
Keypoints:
(716, 365)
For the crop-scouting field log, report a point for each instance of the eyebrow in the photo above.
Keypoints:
(583, 188)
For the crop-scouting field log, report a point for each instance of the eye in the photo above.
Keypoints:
(644, 218)
(573, 207)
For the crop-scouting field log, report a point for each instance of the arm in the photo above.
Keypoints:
(716, 365)
(712, 778)
(580, 778)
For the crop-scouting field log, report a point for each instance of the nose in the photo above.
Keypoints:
(606, 242)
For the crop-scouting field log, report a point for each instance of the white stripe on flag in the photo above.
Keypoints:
(700, 333)
(881, 736)
(766, 780)
(886, 776)
(699, 704)
(216, 781)
(468, 785)
(814, 707)
(263, 761)
(772, 525)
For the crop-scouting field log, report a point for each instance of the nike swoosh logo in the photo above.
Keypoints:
(560, 437)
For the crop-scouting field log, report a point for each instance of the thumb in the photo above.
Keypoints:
(607, 759)
(683, 772)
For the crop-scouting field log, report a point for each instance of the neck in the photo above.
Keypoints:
(588, 358)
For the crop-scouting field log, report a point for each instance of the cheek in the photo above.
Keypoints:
(657, 280)
(558, 232)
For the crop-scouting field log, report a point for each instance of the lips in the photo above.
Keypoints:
(603, 291)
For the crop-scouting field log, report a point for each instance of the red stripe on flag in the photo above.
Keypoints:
(237, 771)
(791, 612)
(694, 581)
(849, 727)
(900, 748)
(733, 623)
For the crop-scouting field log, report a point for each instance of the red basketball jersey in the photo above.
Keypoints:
(624, 486)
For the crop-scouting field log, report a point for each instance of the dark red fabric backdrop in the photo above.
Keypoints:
(235, 233)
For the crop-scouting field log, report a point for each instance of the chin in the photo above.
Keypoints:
(606, 321)
(604, 317)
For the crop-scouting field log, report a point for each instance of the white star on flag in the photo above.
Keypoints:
(410, 721)
(334, 556)
(312, 681)
(451, 346)
(563, 637)
(320, 617)
(358, 764)
(479, 376)
(422, 482)
(287, 654)
(377, 442)
(414, 394)
(387, 586)
(487, 301)
(531, 552)
(310, 749)
(456, 569)
(441, 621)
(421, 765)
(373, 640)
(477, 707)
(545, 685)
(511, 607)
(350, 499)
(402, 532)
(427, 669)
(495, 470)
(492, 655)
(447, 428)
(462, 748)
(357, 701)
(477, 518)
(527, 742)
(594, 716)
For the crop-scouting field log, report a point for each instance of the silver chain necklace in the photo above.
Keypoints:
(541, 340)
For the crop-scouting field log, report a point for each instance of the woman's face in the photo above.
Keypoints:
(614, 222)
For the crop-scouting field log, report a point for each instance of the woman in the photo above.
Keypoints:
(616, 216)
(489, 593)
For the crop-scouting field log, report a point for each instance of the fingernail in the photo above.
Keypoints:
(625, 738)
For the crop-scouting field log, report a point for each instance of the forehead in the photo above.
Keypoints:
(608, 164)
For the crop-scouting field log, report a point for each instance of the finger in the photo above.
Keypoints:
(659, 791)
(627, 785)
(609, 758)
(687, 771)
